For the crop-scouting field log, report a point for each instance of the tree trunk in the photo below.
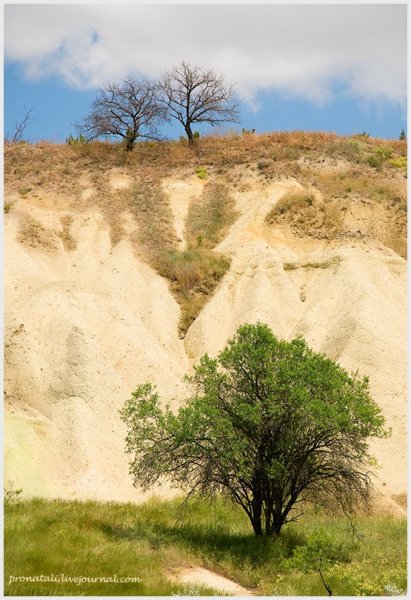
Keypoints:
(256, 516)
(190, 135)
(257, 526)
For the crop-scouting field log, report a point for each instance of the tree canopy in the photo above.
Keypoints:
(129, 109)
(270, 424)
(194, 95)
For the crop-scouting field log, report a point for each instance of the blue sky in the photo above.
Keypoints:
(312, 67)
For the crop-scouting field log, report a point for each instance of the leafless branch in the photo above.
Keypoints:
(20, 126)
(129, 110)
(192, 95)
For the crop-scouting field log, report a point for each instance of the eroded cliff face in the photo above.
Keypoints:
(88, 319)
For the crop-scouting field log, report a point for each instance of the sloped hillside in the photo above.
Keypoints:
(125, 268)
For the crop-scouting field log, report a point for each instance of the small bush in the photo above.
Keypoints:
(24, 191)
(75, 141)
(201, 172)
(375, 161)
(11, 495)
(399, 162)
(385, 152)
(292, 200)
(264, 164)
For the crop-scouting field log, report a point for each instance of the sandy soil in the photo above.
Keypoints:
(203, 577)
(83, 327)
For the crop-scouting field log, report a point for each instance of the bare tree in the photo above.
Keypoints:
(193, 95)
(130, 110)
(20, 126)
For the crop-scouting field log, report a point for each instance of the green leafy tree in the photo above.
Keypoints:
(270, 424)
(402, 135)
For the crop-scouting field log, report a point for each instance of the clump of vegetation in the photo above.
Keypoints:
(399, 162)
(75, 140)
(155, 235)
(240, 432)
(32, 233)
(210, 216)
(195, 272)
(293, 201)
(12, 495)
(155, 539)
(24, 191)
(264, 164)
(325, 264)
(201, 172)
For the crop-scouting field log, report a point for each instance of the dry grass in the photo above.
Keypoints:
(293, 201)
(210, 216)
(194, 275)
(325, 264)
(45, 162)
(155, 234)
(346, 204)
(69, 242)
(33, 234)
(335, 171)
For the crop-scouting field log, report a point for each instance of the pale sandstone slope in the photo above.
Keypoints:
(347, 300)
(83, 327)
(82, 330)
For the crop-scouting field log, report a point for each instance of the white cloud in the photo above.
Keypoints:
(300, 50)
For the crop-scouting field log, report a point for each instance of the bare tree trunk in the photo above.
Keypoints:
(257, 526)
(190, 135)
(327, 587)
(21, 125)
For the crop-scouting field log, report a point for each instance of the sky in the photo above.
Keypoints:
(322, 67)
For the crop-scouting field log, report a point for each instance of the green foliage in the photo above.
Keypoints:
(76, 141)
(270, 424)
(402, 135)
(319, 553)
(381, 155)
(375, 161)
(399, 162)
(201, 172)
(385, 152)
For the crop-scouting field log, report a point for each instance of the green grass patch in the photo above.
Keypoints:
(152, 541)
(201, 172)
